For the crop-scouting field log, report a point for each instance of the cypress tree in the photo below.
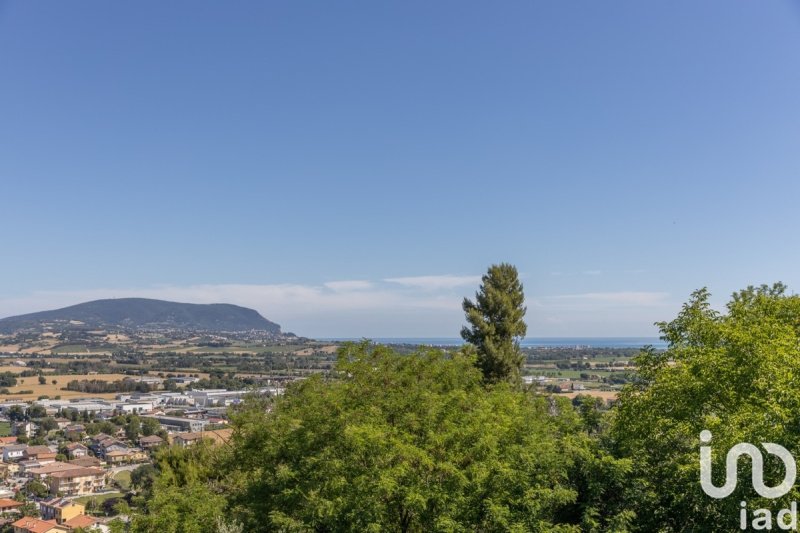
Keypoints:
(496, 324)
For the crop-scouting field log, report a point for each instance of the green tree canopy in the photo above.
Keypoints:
(405, 443)
(133, 428)
(150, 426)
(187, 496)
(496, 323)
(735, 374)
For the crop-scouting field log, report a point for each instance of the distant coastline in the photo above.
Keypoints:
(533, 342)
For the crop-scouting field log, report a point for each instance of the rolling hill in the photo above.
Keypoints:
(145, 314)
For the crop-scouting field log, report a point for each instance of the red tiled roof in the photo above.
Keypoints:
(80, 521)
(34, 525)
(6, 503)
(38, 449)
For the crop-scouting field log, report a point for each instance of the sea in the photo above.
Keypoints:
(533, 342)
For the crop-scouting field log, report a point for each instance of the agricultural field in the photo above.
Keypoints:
(55, 389)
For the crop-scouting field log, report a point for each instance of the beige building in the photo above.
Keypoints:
(60, 509)
(216, 436)
(42, 472)
(77, 482)
(43, 454)
(125, 456)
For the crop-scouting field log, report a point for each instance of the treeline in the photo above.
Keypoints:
(564, 353)
(7, 379)
(97, 386)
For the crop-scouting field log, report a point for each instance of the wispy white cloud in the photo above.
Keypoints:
(349, 285)
(446, 281)
(413, 306)
(345, 305)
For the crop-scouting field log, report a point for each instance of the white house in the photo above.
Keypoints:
(13, 453)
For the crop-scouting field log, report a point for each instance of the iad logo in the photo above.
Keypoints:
(744, 448)
(760, 519)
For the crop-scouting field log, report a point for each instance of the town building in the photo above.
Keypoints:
(14, 452)
(9, 505)
(76, 450)
(77, 482)
(150, 442)
(60, 509)
(177, 423)
(43, 454)
(27, 524)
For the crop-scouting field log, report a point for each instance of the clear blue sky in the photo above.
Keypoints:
(349, 168)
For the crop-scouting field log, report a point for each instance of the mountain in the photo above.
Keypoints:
(145, 314)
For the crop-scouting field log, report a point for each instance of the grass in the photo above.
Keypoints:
(98, 498)
(50, 389)
(5, 429)
(80, 349)
(123, 478)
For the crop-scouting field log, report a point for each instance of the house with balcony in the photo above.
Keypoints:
(77, 482)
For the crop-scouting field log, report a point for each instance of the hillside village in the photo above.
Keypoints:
(66, 463)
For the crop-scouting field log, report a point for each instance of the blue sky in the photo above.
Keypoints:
(351, 168)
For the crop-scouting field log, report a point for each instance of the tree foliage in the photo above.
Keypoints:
(186, 496)
(734, 374)
(496, 324)
(394, 443)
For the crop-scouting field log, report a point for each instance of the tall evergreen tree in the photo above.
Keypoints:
(496, 323)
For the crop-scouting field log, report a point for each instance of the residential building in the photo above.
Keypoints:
(76, 450)
(218, 436)
(42, 472)
(74, 431)
(150, 442)
(77, 482)
(26, 465)
(27, 429)
(107, 444)
(43, 454)
(60, 509)
(7, 505)
(26, 524)
(14, 452)
(83, 522)
(129, 455)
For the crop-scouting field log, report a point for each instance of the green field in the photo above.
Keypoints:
(123, 478)
(5, 429)
(255, 350)
(78, 349)
(98, 498)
